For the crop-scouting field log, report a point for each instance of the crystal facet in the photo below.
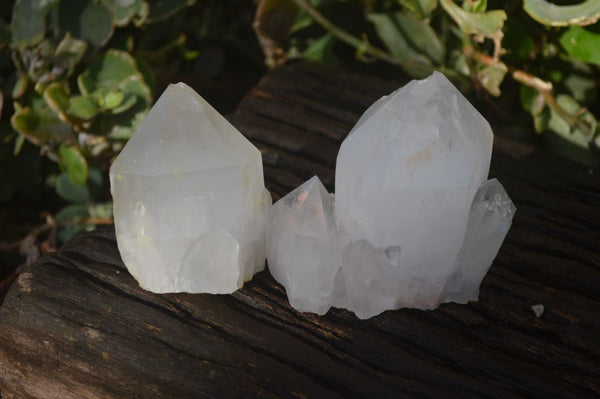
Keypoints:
(414, 222)
(303, 236)
(190, 204)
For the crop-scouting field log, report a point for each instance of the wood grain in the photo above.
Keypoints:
(77, 325)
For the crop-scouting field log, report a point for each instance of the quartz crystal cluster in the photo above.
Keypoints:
(190, 205)
(414, 222)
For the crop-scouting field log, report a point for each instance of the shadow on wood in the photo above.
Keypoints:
(77, 325)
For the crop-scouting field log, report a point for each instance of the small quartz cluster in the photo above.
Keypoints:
(414, 222)
(190, 205)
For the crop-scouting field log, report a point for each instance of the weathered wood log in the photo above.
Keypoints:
(77, 325)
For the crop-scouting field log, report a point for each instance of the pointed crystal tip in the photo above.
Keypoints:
(415, 223)
(190, 204)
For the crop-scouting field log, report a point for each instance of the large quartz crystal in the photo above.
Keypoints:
(190, 205)
(414, 224)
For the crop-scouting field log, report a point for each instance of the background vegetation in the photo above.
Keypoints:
(77, 76)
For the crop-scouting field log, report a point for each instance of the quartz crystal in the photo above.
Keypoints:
(190, 205)
(414, 222)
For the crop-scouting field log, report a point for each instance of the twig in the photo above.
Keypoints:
(30, 247)
(532, 81)
(102, 221)
(543, 87)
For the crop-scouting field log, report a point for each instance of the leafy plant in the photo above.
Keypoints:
(75, 88)
(548, 52)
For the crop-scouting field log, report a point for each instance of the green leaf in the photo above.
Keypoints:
(69, 217)
(321, 49)
(19, 142)
(86, 20)
(421, 36)
(71, 213)
(491, 77)
(26, 122)
(57, 97)
(123, 11)
(547, 13)
(69, 53)
(478, 6)
(37, 101)
(40, 125)
(421, 8)
(20, 86)
(458, 61)
(102, 211)
(568, 141)
(572, 107)
(582, 44)
(29, 21)
(582, 86)
(83, 107)
(128, 101)
(405, 37)
(391, 36)
(303, 21)
(570, 137)
(113, 99)
(541, 120)
(73, 163)
(107, 72)
(120, 125)
(531, 100)
(488, 24)
(79, 194)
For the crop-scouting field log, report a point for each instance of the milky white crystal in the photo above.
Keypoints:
(414, 223)
(190, 206)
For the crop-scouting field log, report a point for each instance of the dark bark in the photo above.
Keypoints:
(77, 325)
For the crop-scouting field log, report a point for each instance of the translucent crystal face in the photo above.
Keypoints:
(410, 230)
(190, 205)
(490, 218)
(302, 235)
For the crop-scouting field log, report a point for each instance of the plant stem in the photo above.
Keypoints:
(362, 45)
(545, 89)
(542, 86)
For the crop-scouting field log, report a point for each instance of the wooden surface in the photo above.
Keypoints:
(76, 325)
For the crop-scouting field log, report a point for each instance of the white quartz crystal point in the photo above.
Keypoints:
(190, 205)
(414, 224)
(302, 246)
(489, 220)
(405, 178)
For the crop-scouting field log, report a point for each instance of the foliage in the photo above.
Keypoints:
(534, 53)
(73, 85)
